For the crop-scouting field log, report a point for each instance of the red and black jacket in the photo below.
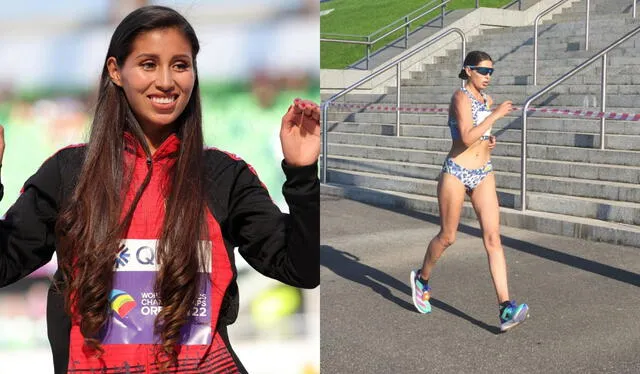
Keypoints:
(240, 214)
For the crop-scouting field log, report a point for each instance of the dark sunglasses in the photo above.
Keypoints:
(482, 70)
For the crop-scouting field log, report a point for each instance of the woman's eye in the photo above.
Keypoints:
(181, 66)
(148, 65)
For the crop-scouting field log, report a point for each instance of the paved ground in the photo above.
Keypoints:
(584, 299)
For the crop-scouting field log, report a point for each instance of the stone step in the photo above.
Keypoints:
(504, 135)
(549, 223)
(562, 101)
(599, 26)
(504, 61)
(578, 89)
(566, 25)
(534, 151)
(383, 123)
(509, 165)
(555, 67)
(506, 55)
(606, 210)
(615, 4)
(566, 169)
(562, 43)
(597, 41)
(611, 210)
(576, 23)
(597, 14)
(586, 106)
(422, 180)
(498, 44)
(525, 77)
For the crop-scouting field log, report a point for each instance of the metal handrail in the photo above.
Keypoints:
(325, 105)
(345, 35)
(535, 33)
(345, 41)
(405, 25)
(574, 71)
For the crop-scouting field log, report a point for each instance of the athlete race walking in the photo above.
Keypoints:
(468, 170)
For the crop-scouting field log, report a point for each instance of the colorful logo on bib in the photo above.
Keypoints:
(121, 302)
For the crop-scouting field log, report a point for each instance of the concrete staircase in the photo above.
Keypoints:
(574, 188)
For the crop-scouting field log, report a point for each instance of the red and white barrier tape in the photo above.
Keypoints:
(568, 112)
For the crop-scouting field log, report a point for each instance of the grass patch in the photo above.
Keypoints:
(366, 17)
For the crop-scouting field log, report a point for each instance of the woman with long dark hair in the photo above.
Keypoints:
(144, 219)
(468, 169)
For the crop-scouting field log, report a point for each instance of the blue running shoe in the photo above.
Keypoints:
(421, 293)
(513, 315)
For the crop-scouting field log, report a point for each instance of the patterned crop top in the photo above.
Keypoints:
(479, 111)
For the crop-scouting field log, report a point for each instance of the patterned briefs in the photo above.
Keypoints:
(471, 178)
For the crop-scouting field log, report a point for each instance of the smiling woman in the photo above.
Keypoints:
(144, 187)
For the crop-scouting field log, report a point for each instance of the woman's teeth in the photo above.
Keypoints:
(163, 100)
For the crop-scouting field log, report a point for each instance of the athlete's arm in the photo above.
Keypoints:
(27, 230)
(282, 246)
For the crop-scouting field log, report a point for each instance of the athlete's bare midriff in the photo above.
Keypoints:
(472, 157)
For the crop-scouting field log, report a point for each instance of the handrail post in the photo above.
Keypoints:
(523, 159)
(406, 32)
(535, 53)
(586, 33)
(368, 50)
(325, 141)
(442, 12)
(603, 98)
(519, 4)
(477, 4)
(634, 8)
(398, 100)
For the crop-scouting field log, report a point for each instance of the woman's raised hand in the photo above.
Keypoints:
(503, 109)
(300, 133)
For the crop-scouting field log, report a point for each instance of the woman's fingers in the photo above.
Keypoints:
(307, 108)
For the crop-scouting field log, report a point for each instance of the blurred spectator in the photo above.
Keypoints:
(265, 89)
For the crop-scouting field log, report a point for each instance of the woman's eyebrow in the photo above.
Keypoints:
(153, 55)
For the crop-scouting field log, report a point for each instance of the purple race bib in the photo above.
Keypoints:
(134, 305)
